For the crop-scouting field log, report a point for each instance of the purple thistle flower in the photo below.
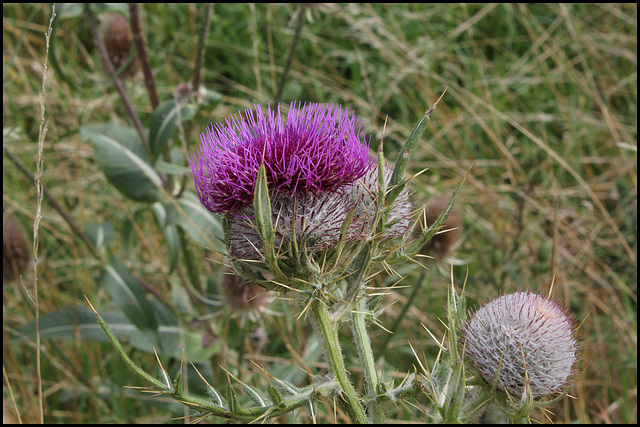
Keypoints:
(518, 336)
(318, 149)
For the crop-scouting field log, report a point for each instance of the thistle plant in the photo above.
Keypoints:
(304, 214)
(308, 212)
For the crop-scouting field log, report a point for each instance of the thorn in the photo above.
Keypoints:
(198, 372)
(89, 302)
(417, 358)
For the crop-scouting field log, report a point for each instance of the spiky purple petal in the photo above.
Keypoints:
(318, 149)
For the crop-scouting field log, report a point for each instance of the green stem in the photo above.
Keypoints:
(176, 391)
(329, 331)
(363, 344)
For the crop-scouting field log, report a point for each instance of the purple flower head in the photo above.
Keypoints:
(318, 149)
(520, 337)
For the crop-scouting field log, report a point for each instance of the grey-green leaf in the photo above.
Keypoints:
(122, 158)
(262, 209)
(164, 121)
(204, 227)
(78, 322)
(124, 288)
(258, 397)
(102, 235)
(396, 183)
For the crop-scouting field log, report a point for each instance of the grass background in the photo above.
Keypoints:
(541, 105)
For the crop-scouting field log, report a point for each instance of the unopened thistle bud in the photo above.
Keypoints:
(118, 40)
(519, 339)
(15, 252)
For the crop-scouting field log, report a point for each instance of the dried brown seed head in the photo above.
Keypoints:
(243, 296)
(15, 252)
(118, 40)
(442, 243)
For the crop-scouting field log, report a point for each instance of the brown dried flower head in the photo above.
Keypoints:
(243, 296)
(15, 252)
(442, 243)
(118, 40)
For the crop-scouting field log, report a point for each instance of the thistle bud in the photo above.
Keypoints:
(521, 342)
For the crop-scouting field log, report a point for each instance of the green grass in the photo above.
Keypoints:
(541, 106)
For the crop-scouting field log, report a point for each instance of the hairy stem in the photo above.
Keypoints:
(363, 344)
(329, 331)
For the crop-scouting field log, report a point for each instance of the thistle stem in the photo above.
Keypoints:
(363, 344)
(329, 331)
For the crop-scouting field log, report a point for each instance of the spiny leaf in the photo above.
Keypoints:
(256, 396)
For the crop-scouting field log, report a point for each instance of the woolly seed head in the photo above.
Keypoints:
(15, 252)
(521, 335)
(317, 218)
(318, 148)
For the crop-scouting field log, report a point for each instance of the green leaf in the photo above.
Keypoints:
(79, 323)
(285, 387)
(122, 158)
(397, 184)
(454, 395)
(127, 292)
(258, 397)
(102, 235)
(312, 408)
(232, 400)
(276, 396)
(170, 168)
(129, 230)
(73, 323)
(172, 240)
(216, 397)
(164, 122)
(262, 209)
(204, 227)
(160, 214)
